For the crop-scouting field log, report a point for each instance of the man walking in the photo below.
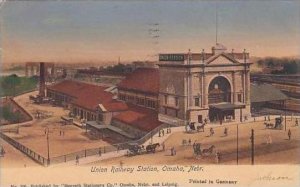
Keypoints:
(289, 134)
(211, 131)
(225, 131)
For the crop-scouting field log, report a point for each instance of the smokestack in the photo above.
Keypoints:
(42, 80)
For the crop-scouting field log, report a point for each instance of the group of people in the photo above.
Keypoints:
(185, 142)
(173, 151)
(267, 118)
(161, 132)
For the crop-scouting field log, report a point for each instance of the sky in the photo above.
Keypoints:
(103, 31)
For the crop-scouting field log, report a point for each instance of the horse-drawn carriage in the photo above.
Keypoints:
(135, 149)
(277, 125)
(196, 127)
(204, 152)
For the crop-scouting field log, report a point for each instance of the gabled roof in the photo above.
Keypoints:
(88, 96)
(265, 92)
(143, 80)
(211, 59)
(139, 117)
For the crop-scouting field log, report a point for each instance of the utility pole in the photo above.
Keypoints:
(48, 155)
(284, 115)
(237, 144)
(252, 146)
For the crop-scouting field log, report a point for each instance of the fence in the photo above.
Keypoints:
(30, 153)
(105, 149)
(79, 154)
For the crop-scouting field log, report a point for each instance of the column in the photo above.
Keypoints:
(234, 88)
(247, 87)
(205, 94)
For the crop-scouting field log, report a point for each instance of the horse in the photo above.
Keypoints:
(152, 147)
(269, 125)
(208, 150)
(201, 127)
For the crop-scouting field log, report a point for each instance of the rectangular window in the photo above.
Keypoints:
(239, 97)
(166, 99)
(197, 101)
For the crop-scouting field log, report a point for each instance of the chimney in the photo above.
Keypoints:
(42, 80)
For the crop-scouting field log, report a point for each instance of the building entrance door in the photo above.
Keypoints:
(200, 119)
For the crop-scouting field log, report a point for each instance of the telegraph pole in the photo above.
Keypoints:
(252, 146)
(237, 144)
(48, 150)
(284, 115)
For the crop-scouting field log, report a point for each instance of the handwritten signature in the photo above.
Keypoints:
(271, 177)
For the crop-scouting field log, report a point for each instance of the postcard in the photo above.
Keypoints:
(99, 93)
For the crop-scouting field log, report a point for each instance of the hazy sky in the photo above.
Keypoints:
(83, 31)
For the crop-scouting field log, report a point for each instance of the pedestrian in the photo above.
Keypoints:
(121, 163)
(269, 119)
(183, 142)
(265, 118)
(100, 152)
(163, 146)
(163, 132)
(269, 139)
(60, 133)
(45, 131)
(172, 151)
(77, 159)
(289, 134)
(190, 142)
(159, 133)
(205, 121)
(218, 156)
(225, 131)
(296, 122)
(211, 131)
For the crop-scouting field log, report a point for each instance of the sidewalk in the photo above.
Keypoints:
(91, 159)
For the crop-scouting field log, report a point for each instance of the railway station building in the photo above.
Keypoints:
(186, 87)
(212, 86)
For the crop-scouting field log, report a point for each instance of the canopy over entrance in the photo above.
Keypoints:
(224, 111)
(227, 106)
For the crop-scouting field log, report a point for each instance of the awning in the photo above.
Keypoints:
(227, 106)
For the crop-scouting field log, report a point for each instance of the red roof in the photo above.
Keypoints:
(88, 96)
(139, 117)
(142, 79)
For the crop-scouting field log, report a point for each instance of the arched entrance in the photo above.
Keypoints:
(219, 91)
